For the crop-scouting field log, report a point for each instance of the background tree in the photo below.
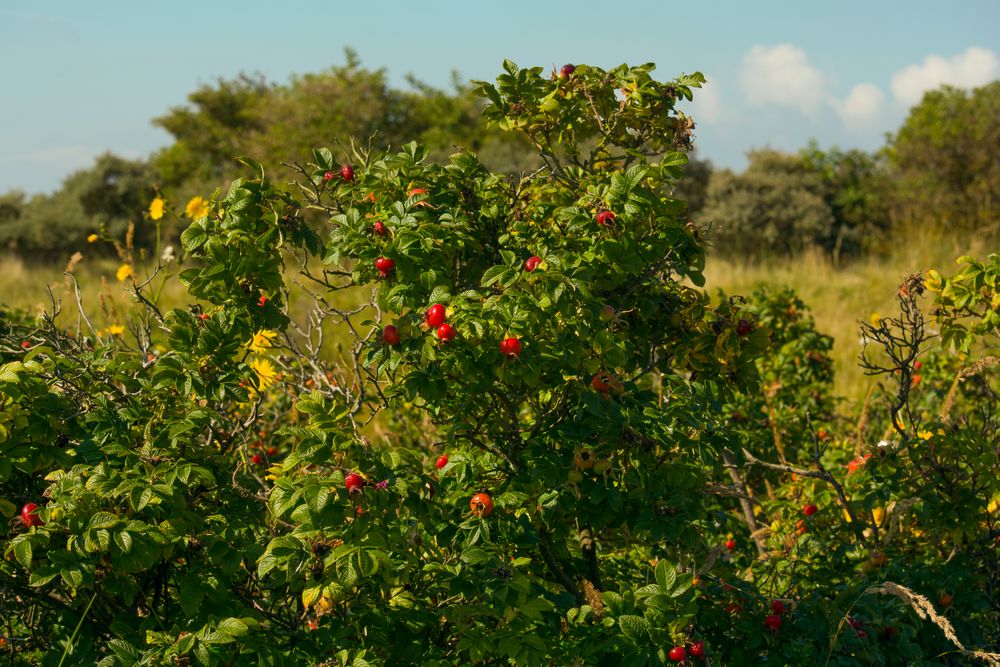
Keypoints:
(693, 188)
(104, 197)
(11, 207)
(944, 167)
(775, 207)
(210, 131)
(248, 116)
(856, 190)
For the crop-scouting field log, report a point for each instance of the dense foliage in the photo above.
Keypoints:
(536, 441)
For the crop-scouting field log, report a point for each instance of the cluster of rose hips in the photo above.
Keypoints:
(773, 621)
(481, 503)
(346, 173)
(679, 653)
(257, 458)
(436, 318)
(585, 460)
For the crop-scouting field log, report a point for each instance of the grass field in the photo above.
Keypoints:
(839, 296)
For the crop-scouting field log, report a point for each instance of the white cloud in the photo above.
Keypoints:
(781, 75)
(863, 105)
(707, 107)
(975, 67)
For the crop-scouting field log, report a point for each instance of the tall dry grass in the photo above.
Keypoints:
(842, 296)
(36, 288)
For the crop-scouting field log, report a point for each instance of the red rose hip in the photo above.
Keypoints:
(730, 544)
(354, 483)
(510, 347)
(446, 332)
(29, 515)
(778, 607)
(347, 172)
(566, 71)
(532, 263)
(481, 505)
(605, 218)
(379, 229)
(697, 649)
(435, 315)
(390, 335)
(773, 622)
(677, 654)
(385, 265)
(442, 461)
(809, 510)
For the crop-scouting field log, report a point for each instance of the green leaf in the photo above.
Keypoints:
(635, 628)
(194, 236)
(233, 627)
(257, 167)
(102, 520)
(22, 551)
(324, 158)
(42, 576)
(73, 578)
(475, 555)
(493, 274)
(666, 576)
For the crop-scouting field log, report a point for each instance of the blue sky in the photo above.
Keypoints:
(79, 78)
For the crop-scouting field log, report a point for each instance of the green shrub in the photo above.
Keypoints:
(216, 486)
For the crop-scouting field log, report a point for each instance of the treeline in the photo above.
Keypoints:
(940, 169)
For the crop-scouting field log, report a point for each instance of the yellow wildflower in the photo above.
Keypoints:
(116, 330)
(124, 272)
(196, 208)
(874, 319)
(156, 208)
(266, 373)
(262, 340)
(91, 238)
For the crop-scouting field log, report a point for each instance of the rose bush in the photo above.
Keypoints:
(336, 455)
